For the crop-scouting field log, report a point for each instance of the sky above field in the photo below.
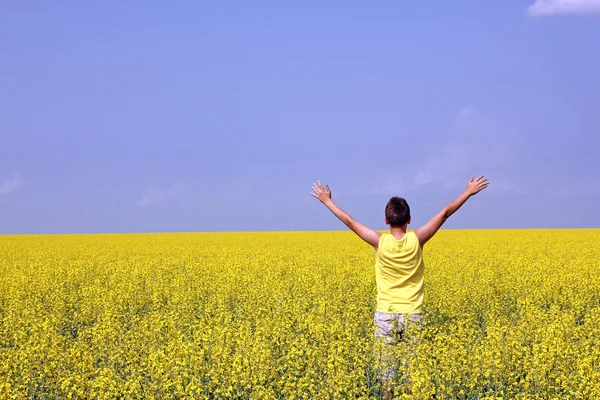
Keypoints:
(217, 116)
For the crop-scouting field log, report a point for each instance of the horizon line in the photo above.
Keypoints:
(281, 231)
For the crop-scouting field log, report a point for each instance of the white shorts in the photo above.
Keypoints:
(389, 331)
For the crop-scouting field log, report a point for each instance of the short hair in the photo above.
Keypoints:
(397, 212)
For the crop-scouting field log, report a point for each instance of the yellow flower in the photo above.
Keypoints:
(509, 314)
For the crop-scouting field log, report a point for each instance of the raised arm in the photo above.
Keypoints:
(427, 231)
(367, 234)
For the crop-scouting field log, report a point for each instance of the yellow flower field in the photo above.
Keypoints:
(509, 314)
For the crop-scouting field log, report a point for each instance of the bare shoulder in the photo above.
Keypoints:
(419, 237)
(379, 236)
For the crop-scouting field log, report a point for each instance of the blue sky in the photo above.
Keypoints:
(218, 116)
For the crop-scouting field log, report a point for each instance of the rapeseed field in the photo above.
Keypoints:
(509, 314)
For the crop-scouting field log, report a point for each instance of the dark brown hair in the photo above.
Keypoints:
(397, 211)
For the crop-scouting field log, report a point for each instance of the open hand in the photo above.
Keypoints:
(477, 185)
(320, 192)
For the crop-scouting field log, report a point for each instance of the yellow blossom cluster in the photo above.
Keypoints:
(289, 315)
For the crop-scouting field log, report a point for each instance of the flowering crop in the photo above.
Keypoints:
(509, 314)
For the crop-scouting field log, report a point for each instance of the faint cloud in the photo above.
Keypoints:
(152, 196)
(477, 144)
(553, 7)
(11, 185)
(563, 191)
(507, 187)
(465, 113)
(446, 167)
(393, 186)
(175, 191)
(156, 195)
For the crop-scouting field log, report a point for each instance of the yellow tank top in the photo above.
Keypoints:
(399, 272)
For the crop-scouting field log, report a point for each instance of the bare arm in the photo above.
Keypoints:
(367, 234)
(427, 231)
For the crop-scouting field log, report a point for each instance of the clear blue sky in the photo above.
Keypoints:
(202, 116)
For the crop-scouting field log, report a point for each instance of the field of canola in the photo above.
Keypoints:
(509, 314)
